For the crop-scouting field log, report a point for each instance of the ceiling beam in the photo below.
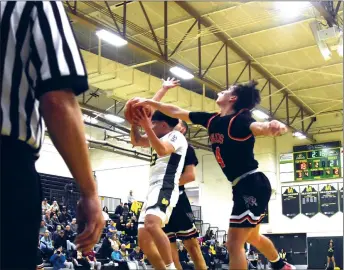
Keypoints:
(93, 24)
(243, 54)
(322, 7)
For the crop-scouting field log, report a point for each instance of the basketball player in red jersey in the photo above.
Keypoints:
(232, 135)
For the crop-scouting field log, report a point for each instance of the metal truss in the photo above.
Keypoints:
(163, 57)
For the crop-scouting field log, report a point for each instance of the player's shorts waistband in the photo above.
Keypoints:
(236, 180)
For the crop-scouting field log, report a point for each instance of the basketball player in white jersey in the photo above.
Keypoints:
(167, 163)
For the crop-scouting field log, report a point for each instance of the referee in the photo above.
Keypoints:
(41, 71)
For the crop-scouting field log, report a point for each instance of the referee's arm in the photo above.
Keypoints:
(60, 76)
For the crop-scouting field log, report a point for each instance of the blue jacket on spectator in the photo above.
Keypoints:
(116, 255)
(58, 261)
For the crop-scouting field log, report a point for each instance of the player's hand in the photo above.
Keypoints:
(142, 120)
(141, 102)
(170, 83)
(90, 222)
(277, 128)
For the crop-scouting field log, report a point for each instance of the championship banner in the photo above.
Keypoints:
(341, 196)
(290, 201)
(309, 200)
(328, 197)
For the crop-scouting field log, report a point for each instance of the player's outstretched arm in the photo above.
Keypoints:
(136, 138)
(166, 85)
(273, 128)
(168, 109)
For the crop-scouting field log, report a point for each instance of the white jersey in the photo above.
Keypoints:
(168, 169)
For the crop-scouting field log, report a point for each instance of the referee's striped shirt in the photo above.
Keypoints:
(38, 54)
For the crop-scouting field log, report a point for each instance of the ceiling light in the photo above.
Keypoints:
(90, 119)
(260, 114)
(181, 73)
(291, 9)
(111, 38)
(299, 135)
(114, 118)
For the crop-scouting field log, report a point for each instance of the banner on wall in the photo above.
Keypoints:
(286, 167)
(310, 200)
(341, 196)
(328, 197)
(290, 201)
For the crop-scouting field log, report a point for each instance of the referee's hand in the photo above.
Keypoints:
(90, 222)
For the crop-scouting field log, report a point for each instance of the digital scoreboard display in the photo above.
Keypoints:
(317, 161)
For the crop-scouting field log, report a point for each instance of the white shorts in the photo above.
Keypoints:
(159, 202)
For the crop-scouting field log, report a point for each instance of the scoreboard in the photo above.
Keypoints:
(317, 161)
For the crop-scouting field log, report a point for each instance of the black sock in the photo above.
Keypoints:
(278, 264)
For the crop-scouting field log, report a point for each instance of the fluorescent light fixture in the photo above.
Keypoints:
(291, 9)
(111, 38)
(114, 118)
(90, 119)
(260, 114)
(299, 135)
(181, 73)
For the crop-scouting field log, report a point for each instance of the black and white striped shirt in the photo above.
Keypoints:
(38, 54)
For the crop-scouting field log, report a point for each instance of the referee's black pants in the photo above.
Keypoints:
(20, 206)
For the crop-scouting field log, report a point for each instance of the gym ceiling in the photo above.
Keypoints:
(220, 43)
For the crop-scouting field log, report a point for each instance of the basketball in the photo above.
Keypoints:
(130, 111)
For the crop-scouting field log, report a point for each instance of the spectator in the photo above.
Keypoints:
(61, 241)
(209, 259)
(46, 245)
(260, 265)
(55, 207)
(56, 220)
(183, 258)
(114, 241)
(116, 255)
(111, 229)
(106, 210)
(119, 210)
(91, 258)
(252, 257)
(74, 226)
(121, 224)
(137, 256)
(124, 252)
(69, 234)
(48, 221)
(80, 261)
(131, 198)
(283, 255)
(45, 205)
(64, 217)
(58, 260)
(125, 210)
(56, 233)
(42, 228)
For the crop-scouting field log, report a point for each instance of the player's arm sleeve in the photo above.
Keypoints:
(201, 118)
(176, 139)
(240, 126)
(191, 158)
(54, 51)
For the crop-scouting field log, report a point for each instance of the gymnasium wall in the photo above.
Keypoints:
(116, 175)
(50, 161)
(319, 225)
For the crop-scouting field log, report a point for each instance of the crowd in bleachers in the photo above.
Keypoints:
(118, 247)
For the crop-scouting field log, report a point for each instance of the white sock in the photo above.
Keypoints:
(171, 266)
(277, 259)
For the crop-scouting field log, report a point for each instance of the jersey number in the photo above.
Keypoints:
(219, 157)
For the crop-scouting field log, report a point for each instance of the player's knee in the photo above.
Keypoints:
(235, 247)
(151, 226)
(192, 246)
